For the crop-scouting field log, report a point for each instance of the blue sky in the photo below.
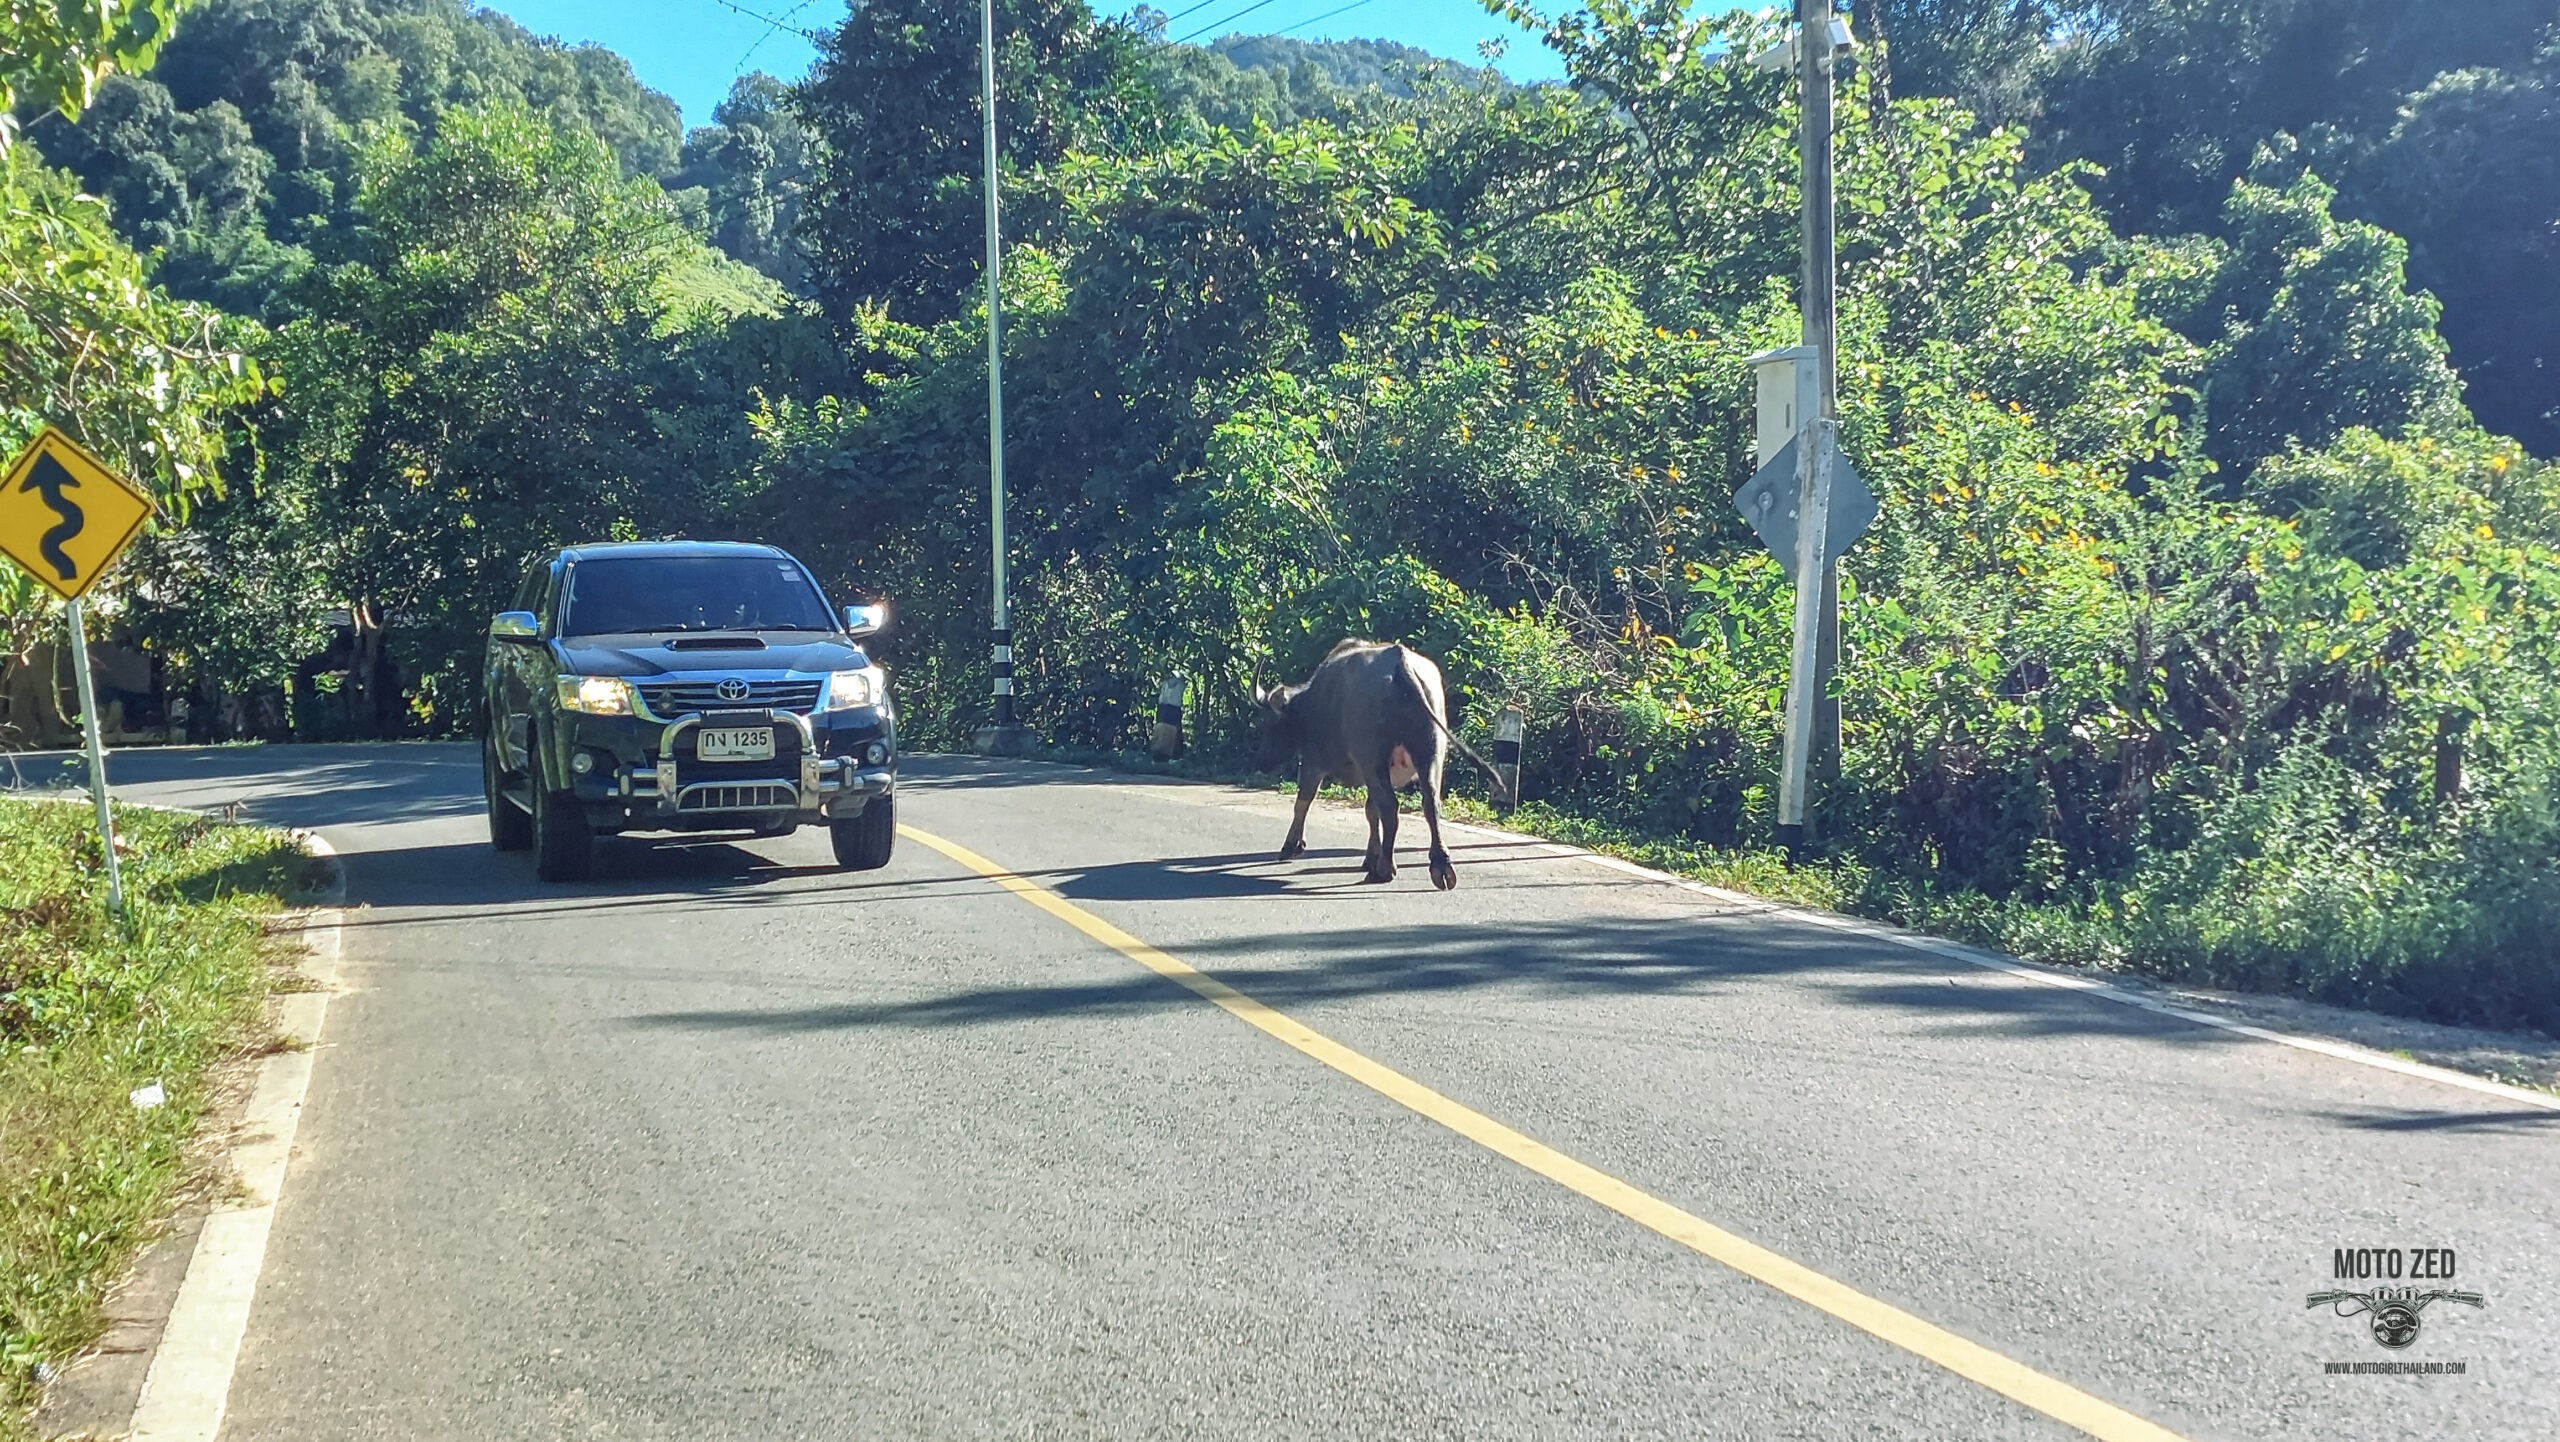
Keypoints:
(691, 49)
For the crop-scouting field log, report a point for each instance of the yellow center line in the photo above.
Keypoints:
(1972, 1361)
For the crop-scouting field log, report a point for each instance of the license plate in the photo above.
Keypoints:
(734, 743)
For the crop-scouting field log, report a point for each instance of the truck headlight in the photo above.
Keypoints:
(596, 695)
(849, 690)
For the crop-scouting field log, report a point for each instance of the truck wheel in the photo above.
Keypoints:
(510, 829)
(864, 843)
(564, 846)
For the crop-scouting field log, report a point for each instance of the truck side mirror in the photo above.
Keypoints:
(868, 620)
(515, 626)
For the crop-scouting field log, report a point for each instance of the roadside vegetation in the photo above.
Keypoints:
(2199, 357)
(93, 1009)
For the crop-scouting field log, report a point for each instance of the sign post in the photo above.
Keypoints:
(1805, 502)
(97, 757)
(66, 542)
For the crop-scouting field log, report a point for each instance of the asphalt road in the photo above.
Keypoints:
(732, 1144)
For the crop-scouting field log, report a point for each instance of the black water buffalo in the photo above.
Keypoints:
(1372, 716)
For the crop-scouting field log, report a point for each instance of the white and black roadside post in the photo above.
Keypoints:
(97, 754)
(1507, 729)
(1166, 742)
(1004, 738)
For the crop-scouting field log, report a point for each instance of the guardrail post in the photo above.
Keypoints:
(1166, 743)
(1506, 754)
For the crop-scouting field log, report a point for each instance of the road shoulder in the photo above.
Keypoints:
(163, 1347)
(2517, 1067)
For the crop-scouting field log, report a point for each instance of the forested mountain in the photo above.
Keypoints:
(2203, 627)
(1237, 80)
(2435, 122)
(237, 152)
(234, 157)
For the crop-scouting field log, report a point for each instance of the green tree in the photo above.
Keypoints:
(235, 157)
(1988, 55)
(87, 343)
(2318, 330)
(479, 385)
(750, 168)
(54, 55)
(895, 214)
(2470, 174)
(2172, 98)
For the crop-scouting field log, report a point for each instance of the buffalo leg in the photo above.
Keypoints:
(1382, 810)
(1309, 780)
(1444, 873)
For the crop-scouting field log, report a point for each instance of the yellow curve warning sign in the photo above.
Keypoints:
(65, 516)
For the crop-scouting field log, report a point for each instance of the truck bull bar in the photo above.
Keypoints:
(823, 780)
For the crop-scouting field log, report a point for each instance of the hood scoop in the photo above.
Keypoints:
(716, 643)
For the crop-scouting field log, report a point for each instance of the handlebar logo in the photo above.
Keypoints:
(2394, 1310)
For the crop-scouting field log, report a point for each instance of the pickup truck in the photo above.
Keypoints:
(683, 686)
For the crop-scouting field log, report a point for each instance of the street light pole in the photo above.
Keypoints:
(1004, 735)
(1817, 424)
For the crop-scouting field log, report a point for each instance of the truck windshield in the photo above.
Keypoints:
(619, 595)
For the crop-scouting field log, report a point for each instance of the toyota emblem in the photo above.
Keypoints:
(732, 689)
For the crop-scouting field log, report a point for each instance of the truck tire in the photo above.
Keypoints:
(564, 846)
(510, 829)
(864, 843)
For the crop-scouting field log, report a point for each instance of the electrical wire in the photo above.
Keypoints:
(810, 35)
(1214, 24)
(1329, 14)
(1189, 10)
(770, 30)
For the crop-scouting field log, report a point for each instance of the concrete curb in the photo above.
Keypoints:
(189, 1384)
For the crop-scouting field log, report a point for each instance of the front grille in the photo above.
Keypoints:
(675, 698)
(742, 796)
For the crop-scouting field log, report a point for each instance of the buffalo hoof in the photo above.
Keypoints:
(1443, 874)
(1292, 850)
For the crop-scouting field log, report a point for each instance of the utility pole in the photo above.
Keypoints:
(1004, 737)
(1817, 434)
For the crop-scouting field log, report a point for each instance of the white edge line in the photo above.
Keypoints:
(1972, 956)
(189, 1384)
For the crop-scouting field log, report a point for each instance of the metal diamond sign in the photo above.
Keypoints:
(1768, 502)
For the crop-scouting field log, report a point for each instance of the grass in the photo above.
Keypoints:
(93, 1007)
